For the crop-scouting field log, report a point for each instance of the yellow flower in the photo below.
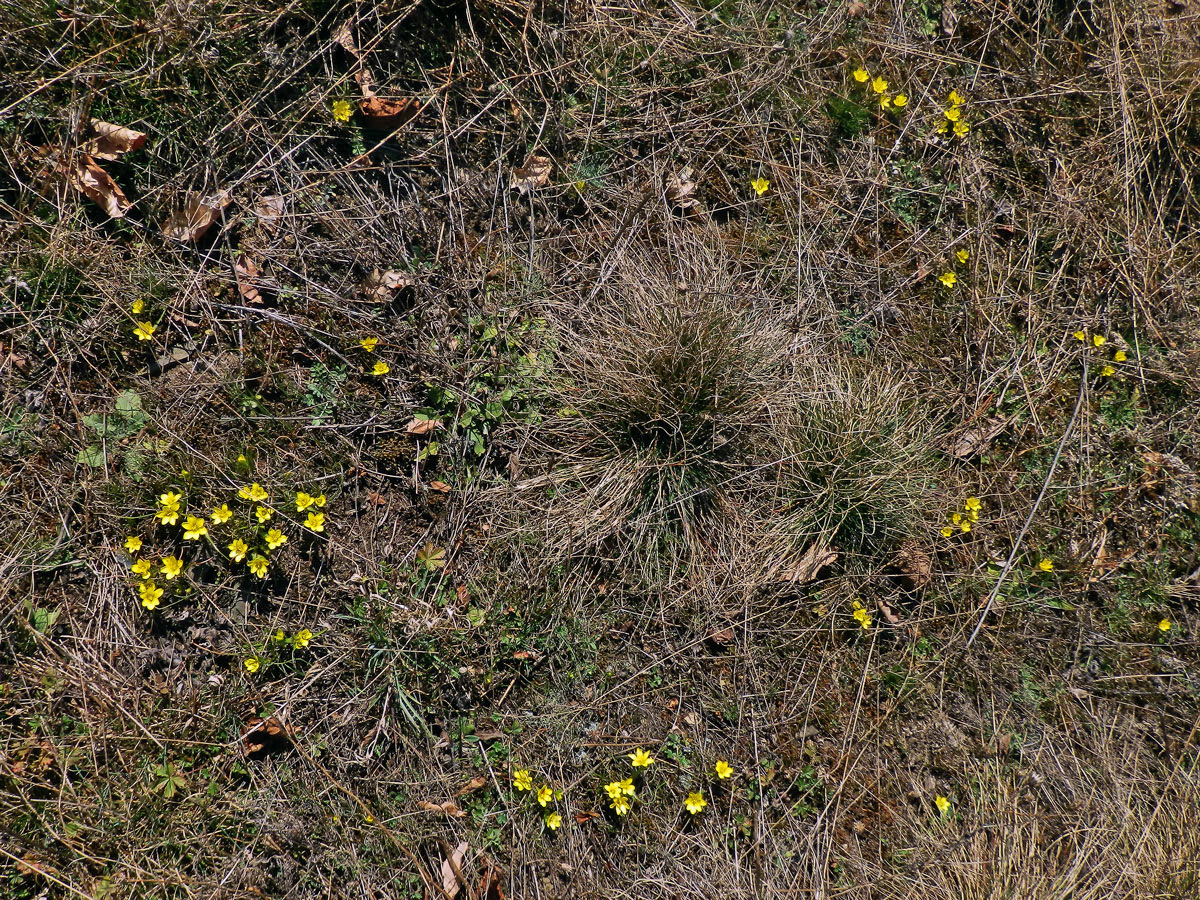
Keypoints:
(368, 343)
(553, 821)
(303, 636)
(258, 565)
(627, 787)
(341, 110)
(861, 75)
(954, 114)
(1120, 356)
(942, 804)
(141, 568)
(1098, 340)
(879, 85)
(965, 526)
(944, 127)
(303, 501)
(885, 101)
(252, 664)
(263, 514)
(640, 759)
(143, 331)
(168, 515)
(760, 185)
(961, 129)
(620, 806)
(949, 279)
(319, 501)
(380, 368)
(238, 550)
(522, 780)
(863, 618)
(133, 544)
(170, 498)
(1108, 370)
(900, 101)
(280, 637)
(137, 306)
(222, 514)
(194, 528)
(956, 519)
(1080, 335)
(963, 255)
(695, 803)
(956, 99)
(723, 769)
(973, 503)
(973, 515)
(171, 567)
(1046, 565)
(275, 539)
(947, 531)
(544, 795)
(1164, 626)
(315, 522)
(150, 594)
(253, 492)
(613, 789)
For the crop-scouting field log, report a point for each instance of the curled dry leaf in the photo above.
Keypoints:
(680, 192)
(535, 173)
(815, 558)
(452, 874)
(343, 36)
(108, 141)
(381, 114)
(449, 808)
(246, 272)
(85, 176)
(265, 736)
(422, 426)
(269, 210)
(473, 785)
(382, 285)
(197, 216)
(440, 486)
(976, 439)
(914, 566)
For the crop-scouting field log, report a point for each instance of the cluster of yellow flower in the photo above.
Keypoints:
(299, 641)
(341, 111)
(369, 344)
(620, 793)
(861, 616)
(879, 86)
(953, 120)
(950, 278)
(170, 509)
(1098, 341)
(965, 519)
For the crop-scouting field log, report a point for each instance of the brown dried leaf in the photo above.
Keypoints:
(535, 173)
(976, 439)
(109, 141)
(449, 808)
(344, 37)
(197, 216)
(265, 736)
(382, 285)
(473, 785)
(914, 565)
(815, 558)
(382, 114)
(245, 272)
(97, 185)
(440, 486)
(422, 426)
(680, 190)
(722, 638)
(270, 210)
(452, 870)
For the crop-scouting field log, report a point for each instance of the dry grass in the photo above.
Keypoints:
(661, 397)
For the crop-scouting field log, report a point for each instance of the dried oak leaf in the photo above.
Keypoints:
(246, 272)
(473, 785)
(108, 141)
(449, 808)
(680, 193)
(197, 216)
(422, 426)
(815, 558)
(382, 285)
(452, 877)
(914, 566)
(381, 114)
(535, 173)
(265, 736)
(85, 176)
(269, 210)
(976, 439)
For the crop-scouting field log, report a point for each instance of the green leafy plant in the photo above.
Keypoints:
(126, 419)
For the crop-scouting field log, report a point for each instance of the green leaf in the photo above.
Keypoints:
(128, 403)
(92, 456)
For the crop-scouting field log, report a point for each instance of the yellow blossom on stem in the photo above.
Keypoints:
(150, 594)
(879, 85)
(965, 526)
(723, 769)
(640, 759)
(621, 806)
(315, 522)
(544, 795)
(380, 368)
(171, 567)
(1046, 565)
(252, 664)
(900, 101)
(1120, 356)
(319, 501)
(369, 343)
(949, 279)
(222, 514)
(861, 75)
(1080, 335)
(141, 568)
(963, 255)
(553, 821)
(143, 331)
(341, 111)
(137, 306)
(275, 539)
(280, 637)
(303, 501)
(947, 531)
(863, 618)
(133, 544)
(942, 804)
(885, 101)
(238, 549)
(258, 565)
(522, 780)
(613, 789)
(1164, 626)
(973, 503)
(1098, 340)
(954, 114)
(961, 129)
(253, 492)
(1106, 371)
(627, 787)
(263, 514)
(168, 515)
(303, 636)
(760, 185)
(194, 528)
(694, 803)
(956, 99)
